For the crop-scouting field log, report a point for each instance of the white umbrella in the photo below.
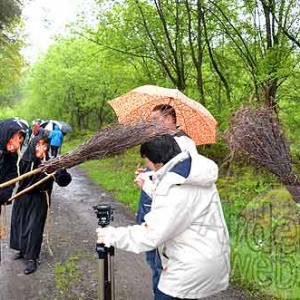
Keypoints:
(23, 123)
(63, 126)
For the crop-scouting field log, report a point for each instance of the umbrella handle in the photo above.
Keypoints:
(31, 187)
(14, 180)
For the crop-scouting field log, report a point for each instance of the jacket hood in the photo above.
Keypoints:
(8, 128)
(29, 154)
(186, 169)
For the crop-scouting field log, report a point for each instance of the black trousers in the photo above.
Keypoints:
(54, 150)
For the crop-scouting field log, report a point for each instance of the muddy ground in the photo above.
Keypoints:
(71, 272)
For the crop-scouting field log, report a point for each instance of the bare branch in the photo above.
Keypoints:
(96, 41)
(158, 52)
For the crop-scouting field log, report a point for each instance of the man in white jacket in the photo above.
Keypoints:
(167, 114)
(186, 222)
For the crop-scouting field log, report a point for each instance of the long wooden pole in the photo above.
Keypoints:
(31, 187)
(14, 180)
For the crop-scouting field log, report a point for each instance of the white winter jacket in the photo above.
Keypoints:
(186, 222)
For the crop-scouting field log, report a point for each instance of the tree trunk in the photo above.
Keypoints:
(269, 92)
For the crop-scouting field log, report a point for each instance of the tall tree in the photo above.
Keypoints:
(9, 11)
(256, 32)
(11, 61)
(172, 34)
(74, 81)
(11, 64)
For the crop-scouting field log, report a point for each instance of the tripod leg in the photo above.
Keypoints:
(0, 249)
(104, 292)
(0, 236)
(101, 280)
(112, 277)
(107, 285)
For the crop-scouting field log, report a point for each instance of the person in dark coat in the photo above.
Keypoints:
(29, 211)
(12, 135)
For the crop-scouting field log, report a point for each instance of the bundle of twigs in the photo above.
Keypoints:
(107, 141)
(256, 134)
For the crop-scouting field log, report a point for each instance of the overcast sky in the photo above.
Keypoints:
(46, 18)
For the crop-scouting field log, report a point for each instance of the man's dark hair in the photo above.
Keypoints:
(160, 149)
(166, 110)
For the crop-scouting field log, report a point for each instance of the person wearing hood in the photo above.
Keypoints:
(12, 136)
(30, 210)
(185, 222)
(56, 139)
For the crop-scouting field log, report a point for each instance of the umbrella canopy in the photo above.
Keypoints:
(192, 117)
(63, 126)
(23, 123)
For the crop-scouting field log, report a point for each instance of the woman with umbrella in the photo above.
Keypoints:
(196, 124)
(30, 210)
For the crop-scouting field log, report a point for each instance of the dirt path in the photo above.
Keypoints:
(72, 240)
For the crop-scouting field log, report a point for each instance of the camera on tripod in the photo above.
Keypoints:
(104, 214)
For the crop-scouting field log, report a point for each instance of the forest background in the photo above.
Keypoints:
(224, 54)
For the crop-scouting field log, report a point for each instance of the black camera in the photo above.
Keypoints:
(104, 214)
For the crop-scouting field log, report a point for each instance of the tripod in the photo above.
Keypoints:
(106, 280)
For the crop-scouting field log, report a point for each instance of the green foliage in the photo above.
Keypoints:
(66, 276)
(74, 81)
(9, 11)
(289, 108)
(264, 231)
(265, 244)
(11, 61)
(11, 64)
(131, 46)
(6, 113)
(116, 175)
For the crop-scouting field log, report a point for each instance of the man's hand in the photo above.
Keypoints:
(138, 178)
(138, 171)
(104, 234)
(139, 181)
